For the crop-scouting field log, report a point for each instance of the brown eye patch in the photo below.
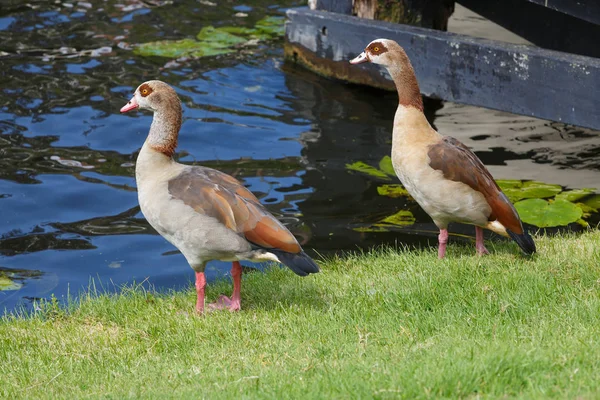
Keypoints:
(377, 48)
(145, 90)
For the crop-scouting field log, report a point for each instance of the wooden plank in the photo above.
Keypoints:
(338, 6)
(588, 10)
(548, 29)
(519, 79)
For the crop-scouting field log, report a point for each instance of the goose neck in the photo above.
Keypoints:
(403, 75)
(164, 131)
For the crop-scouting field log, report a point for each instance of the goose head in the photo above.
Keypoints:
(392, 56)
(162, 100)
(379, 51)
(153, 96)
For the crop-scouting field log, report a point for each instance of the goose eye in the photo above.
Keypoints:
(375, 49)
(144, 91)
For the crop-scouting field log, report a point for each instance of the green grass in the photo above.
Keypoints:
(387, 324)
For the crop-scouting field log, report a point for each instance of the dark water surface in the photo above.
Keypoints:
(68, 202)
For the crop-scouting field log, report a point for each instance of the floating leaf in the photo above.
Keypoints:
(537, 188)
(386, 166)
(513, 195)
(271, 26)
(219, 37)
(180, 48)
(8, 284)
(532, 190)
(238, 30)
(402, 217)
(214, 41)
(587, 210)
(265, 29)
(392, 191)
(167, 48)
(542, 213)
(367, 169)
(509, 183)
(575, 195)
(593, 201)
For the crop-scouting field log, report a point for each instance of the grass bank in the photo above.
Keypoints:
(388, 324)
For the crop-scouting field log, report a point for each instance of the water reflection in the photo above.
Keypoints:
(68, 203)
(40, 239)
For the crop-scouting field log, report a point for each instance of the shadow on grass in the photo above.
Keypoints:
(496, 245)
(274, 288)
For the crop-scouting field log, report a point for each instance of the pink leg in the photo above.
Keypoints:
(234, 303)
(442, 240)
(481, 250)
(200, 285)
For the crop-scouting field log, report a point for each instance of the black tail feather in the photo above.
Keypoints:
(524, 240)
(300, 263)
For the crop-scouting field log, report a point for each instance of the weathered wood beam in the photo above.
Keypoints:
(542, 26)
(588, 10)
(519, 79)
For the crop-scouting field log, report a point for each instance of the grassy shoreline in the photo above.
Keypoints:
(384, 324)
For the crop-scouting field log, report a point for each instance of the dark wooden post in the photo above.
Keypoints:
(431, 14)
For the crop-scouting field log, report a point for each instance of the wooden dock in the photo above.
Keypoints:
(528, 80)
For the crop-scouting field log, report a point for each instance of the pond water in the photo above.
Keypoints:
(68, 204)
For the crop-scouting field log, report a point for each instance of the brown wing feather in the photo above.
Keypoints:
(458, 163)
(218, 195)
(230, 183)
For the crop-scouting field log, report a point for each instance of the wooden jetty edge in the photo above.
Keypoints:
(520, 79)
(587, 10)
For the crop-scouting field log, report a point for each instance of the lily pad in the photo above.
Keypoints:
(509, 183)
(266, 29)
(531, 190)
(386, 166)
(543, 214)
(181, 48)
(219, 37)
(392, 191)
(214, 41)
(271, 26)
(402, 218)
(360, 166)
(238, 30)
(592, 201)
(575, 195)
(8, 284)
(587, 210)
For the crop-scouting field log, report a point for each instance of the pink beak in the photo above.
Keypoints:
(130, 105)
(361, 58)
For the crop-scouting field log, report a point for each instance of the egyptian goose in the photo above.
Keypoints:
(443, 175)
(205, 213)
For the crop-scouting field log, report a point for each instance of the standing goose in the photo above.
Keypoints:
(446, 178)
(205, 213)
